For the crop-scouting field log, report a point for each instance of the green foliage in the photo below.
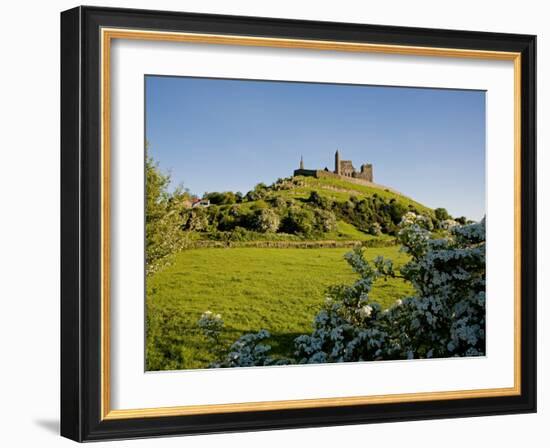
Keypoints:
(374, 215)
(279, 202)
(441, 214)
(224, 198)
(163, 235)
(195, 219)
(396, 210)
(305, 207)
(319, 201)
(324, 221)
(260, 191)
(375, 229)
(298, 220)
(266, 220)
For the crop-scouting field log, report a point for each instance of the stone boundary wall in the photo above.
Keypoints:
(323, 244)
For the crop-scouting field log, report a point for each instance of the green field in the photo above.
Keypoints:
(280, 290)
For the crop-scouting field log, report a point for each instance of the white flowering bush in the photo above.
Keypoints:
(444, 318)
(411, 218)
(347, 329)
(448, 224)
(266, 220)
(211, 324)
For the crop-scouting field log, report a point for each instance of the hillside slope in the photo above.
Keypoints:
(341, 190)
(302, 208)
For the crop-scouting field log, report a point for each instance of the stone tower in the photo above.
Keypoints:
(366, 172)
(337, 163)
(301, 162)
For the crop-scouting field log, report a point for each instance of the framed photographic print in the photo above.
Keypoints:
(273, 223)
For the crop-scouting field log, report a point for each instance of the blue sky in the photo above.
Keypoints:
(228, 135)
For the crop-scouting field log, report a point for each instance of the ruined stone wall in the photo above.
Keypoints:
(361, 178)
(346, 168)
(366, 172)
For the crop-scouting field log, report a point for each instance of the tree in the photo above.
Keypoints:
(195, 219)
(223, 198)
(319, 201)
(396, 211)
(298, 221)
(259, 192)
(441, 214)
(162, 218)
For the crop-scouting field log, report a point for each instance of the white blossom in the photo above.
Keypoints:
(365, 311)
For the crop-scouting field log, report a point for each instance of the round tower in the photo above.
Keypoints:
(337, 163)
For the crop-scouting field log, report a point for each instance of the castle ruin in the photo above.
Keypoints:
(342, 169)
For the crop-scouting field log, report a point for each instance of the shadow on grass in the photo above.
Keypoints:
(282, 344)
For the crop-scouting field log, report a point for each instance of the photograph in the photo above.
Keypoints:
(291, 223)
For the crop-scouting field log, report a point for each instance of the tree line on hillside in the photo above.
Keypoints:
(262, 213)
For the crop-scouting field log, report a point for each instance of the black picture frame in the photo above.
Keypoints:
(81, 224)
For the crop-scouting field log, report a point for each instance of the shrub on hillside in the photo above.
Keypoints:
(319, 201)
(374, 229)
(278, 202)
(260, 191)
(298, 220)
(396, 211)
(266, 220)
(223, 198)
(195, 219)
(363, 213)
(441, 214)
(324, 221)
(283, 184)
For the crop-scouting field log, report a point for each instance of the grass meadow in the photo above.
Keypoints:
(279, 290)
